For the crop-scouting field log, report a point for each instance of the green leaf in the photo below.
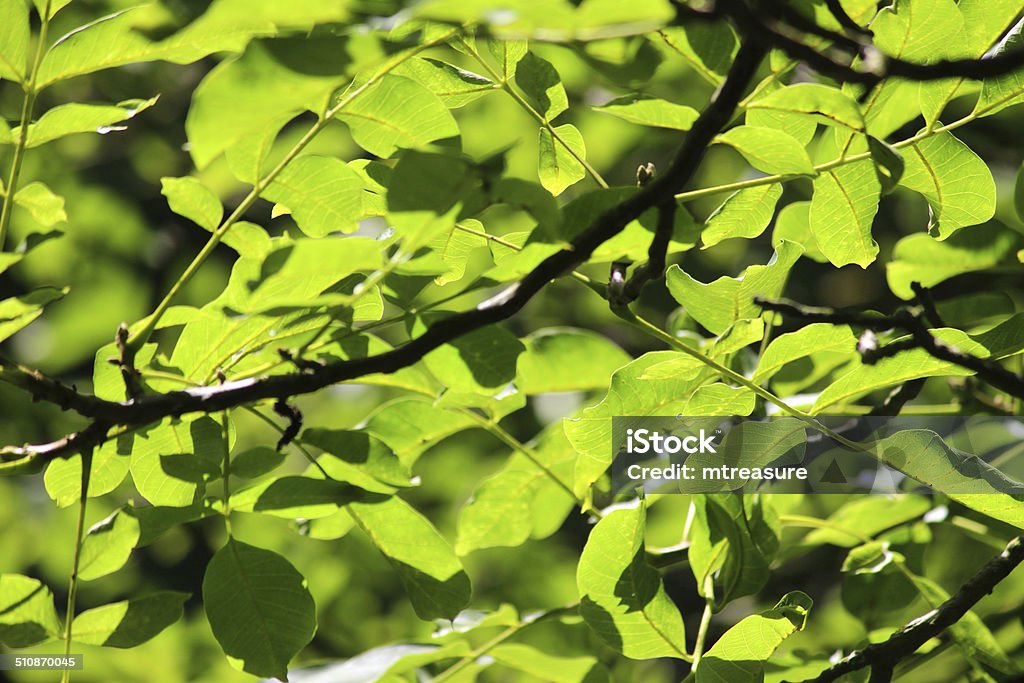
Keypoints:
(425, 194)
(922, 258)
(481, 362)
(128, 623)
(108, 545)
(397, 112)
(17, 312)
(293, 275)
(912, 364)
(297, 497)
(522, 500)
(741, 654)
(508, 54)
(115, 40)
(719, 304)
(46, 207)
(816, 338)
(745, 213)
(431, 573)
(172, 461)
(706, 46)
(259, 608)
(542, 86)
(323, 194)
(358, 456)
(68, 119)
(255, 462)
(110, 462)
(27, 614)
(821, 103)
(651, 111)
(867, 517)
(456, 87)
(14, 34)
(188, 197)
(843, 208)
(889, 163)
(956, 182)
(410, 426)
(768, 150)
(567, 359)
(590, 432)
(621, 596)
(1000, 92)
(549, 667)
(734, 541)
(560, 166)
(793, 224)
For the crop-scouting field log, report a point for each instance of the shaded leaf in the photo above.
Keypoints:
(128, 623)
(650, 111)
(560, 165)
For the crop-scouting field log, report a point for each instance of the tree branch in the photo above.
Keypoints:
(881, 657)
(988, 370)
(660, 191)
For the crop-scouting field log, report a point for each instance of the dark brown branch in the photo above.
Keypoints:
(987, 370)
(662, 190)
(758, 26)
(39, 454)
(881, 657)
(838, 13)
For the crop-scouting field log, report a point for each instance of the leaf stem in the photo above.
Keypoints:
(76, 559)
(528, 108)
(27, 107)
(702, 630)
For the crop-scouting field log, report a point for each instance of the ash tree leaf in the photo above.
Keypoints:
(622, 597)
(188, 197)
(68, 119)
(889, 163)
(259, 608)
(922, 258)
(172, 461)
(542, 85)
(912, 364)
(651, 111)
(425, 195)
(842, 211)
(561, 359)
(323, 193)
(433, 577)
(741, 654)
(108, 545)
(522, 500)
(745, 213)
(27, 614)
(128, 623)
(508, 54)
(1000, 92)
(708, 48)
(271, 83)
(18, 311)
(816, 338)
(735, 538)
(768, 150)
(397, 112)
(410, 426)
(719, 304)
(456, 87)
(14, 34)
(559, 164)
(632, 394)
(295, 274)
(822, 103)
(482, 362)
(793, 224)
(956, 182)
(296, 497)
(39, 200)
